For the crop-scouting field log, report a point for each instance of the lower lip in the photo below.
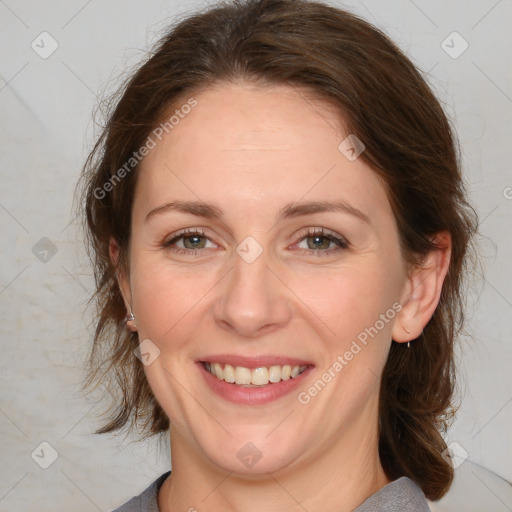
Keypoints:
(252, 396)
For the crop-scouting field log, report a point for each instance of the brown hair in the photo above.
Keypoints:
(385, 102)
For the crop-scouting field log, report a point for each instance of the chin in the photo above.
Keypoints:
(259, 468)
(256, 457)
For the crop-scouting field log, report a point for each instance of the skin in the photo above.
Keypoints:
(250, 150)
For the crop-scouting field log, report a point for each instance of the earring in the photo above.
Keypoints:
(408, 332)
(129, 316)
(130, 322)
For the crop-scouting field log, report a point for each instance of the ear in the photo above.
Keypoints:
(422, 291)
(122, 281)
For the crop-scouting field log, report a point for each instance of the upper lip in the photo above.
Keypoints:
(254, 362)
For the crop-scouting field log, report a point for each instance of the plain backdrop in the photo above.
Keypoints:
(464, 49)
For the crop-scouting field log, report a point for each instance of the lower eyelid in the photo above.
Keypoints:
(325, 252)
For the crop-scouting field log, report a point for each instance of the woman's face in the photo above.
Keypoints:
(254, 282)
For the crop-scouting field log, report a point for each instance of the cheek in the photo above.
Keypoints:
(166, 299)
(350, 299)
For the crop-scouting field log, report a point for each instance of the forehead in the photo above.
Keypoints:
(256, 147)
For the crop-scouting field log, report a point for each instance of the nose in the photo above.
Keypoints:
(253, 300)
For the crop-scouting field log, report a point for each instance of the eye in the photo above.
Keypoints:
(188, 241)
(320, 242)
(316, 241)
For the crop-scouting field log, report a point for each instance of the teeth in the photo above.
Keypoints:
(257, 377)
(275, 374)
(217, 370)
(260, 376)
(229, 373)
(242, 375)
(286, 372)
(295, 372)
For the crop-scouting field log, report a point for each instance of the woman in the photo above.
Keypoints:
(279, 231)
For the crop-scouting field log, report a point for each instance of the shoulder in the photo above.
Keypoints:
(147, 500)
(402, 494)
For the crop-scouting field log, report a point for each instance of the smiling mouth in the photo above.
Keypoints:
(262, 376)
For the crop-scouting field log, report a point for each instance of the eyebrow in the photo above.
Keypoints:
(210, 211)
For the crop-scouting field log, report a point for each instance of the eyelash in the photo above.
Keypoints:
(341, 242)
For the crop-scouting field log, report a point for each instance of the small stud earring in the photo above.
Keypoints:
(408, 332)
(130, 322)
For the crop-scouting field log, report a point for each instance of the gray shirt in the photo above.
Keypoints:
(402, 495)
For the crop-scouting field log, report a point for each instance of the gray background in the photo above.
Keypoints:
(47, 129)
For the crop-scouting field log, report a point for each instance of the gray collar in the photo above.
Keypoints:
(402, 494)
